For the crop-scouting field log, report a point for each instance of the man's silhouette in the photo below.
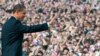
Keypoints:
(13, 30)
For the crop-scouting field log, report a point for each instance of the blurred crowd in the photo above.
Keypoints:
(75, 31)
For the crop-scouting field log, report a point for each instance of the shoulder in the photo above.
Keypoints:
(10, 23)
(12, 20)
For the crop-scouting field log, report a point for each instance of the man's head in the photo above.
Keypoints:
(19, 11)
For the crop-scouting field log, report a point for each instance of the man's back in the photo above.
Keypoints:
(11, 38)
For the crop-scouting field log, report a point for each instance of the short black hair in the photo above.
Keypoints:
(65, 49)
(18, 7)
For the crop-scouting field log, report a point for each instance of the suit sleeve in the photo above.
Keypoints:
(34, 28)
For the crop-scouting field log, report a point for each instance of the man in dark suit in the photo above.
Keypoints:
(13, 30)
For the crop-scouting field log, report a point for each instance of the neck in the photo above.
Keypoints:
(16, 17)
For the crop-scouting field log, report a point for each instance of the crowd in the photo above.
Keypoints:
(75, 32)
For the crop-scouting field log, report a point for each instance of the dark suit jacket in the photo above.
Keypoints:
(12, 36)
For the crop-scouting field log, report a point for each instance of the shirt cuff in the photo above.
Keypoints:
(48, 24)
